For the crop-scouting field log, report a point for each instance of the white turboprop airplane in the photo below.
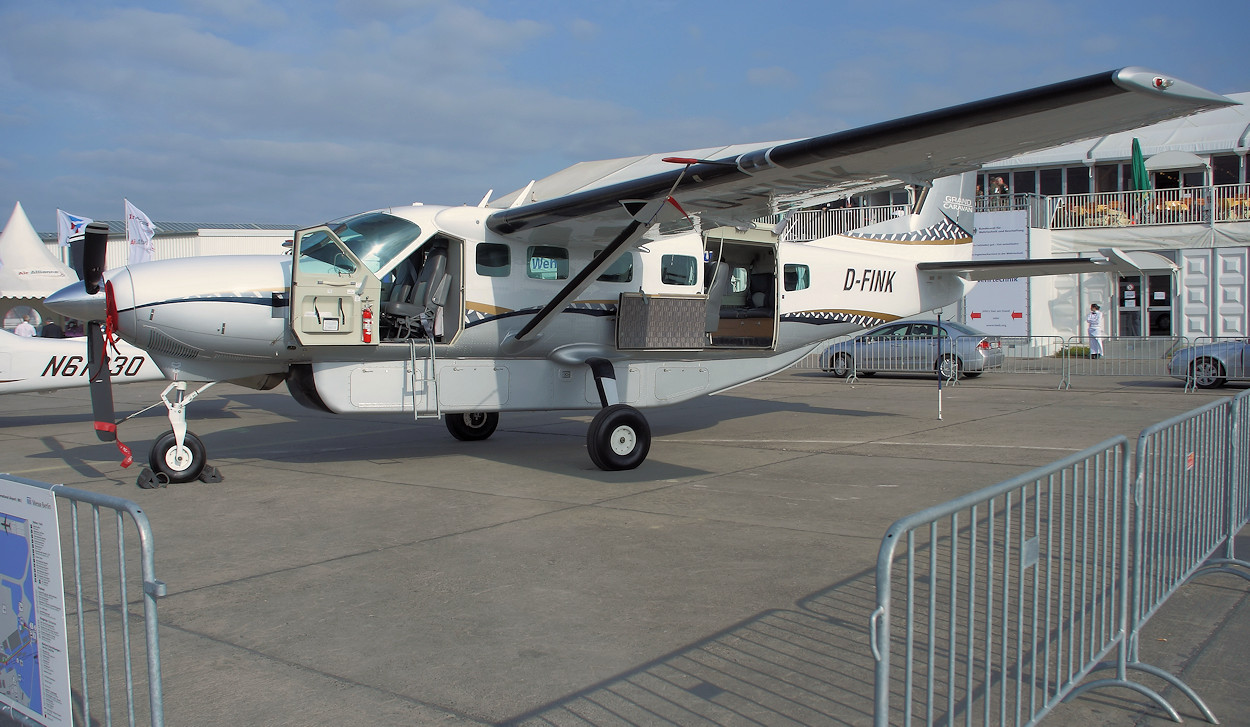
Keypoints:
(582, 291)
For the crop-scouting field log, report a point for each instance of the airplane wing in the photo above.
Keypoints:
(737, 183)
(1113, 261)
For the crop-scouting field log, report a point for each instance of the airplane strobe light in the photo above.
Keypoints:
(611, 286)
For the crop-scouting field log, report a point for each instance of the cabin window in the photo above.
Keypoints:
(621, 271)
(738, 280)
(678, 270)
(797, 277)
(493, 260)
(547, 262)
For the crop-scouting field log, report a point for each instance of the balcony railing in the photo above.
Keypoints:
(808, 225)
(1177, 206)
(1183, 206)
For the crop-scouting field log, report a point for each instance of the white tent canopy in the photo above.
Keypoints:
(1175, 160)
(1209, 132)
(27, 269)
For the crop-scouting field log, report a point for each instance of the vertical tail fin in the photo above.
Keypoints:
(943, 214)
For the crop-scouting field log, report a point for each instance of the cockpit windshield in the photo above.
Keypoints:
(375, 237)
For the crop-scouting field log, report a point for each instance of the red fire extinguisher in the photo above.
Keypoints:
(366, 325)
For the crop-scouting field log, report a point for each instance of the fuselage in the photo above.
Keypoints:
(679, 315)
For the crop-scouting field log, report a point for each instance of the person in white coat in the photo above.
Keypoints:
(1094, 319)
(24, 329)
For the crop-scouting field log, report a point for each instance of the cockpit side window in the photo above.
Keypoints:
(493, 260)
(375, 237)
(320, 254)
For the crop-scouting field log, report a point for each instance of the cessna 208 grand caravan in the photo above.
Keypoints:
(591, 289)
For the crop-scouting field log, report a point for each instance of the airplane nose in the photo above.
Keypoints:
(72, 301)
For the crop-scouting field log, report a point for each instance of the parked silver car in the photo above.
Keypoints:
(1212, 364)
(917, 346)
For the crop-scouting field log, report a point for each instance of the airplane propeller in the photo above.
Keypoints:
(94, 252)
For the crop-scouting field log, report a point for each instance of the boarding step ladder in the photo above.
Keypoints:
(428, 379)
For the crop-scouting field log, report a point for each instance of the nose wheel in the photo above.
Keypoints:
(178, 463)
(177, 455)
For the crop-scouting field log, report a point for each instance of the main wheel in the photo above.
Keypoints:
(618, 438)
(840, 365)
(179, 464)
(1207, 373)
(949, 367)
(472, 426)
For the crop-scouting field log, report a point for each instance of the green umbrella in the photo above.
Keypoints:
(1141, 177)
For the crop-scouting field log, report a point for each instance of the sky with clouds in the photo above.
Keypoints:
(296, 112)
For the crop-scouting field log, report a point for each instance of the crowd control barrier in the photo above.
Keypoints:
(110, 615)
(1009, 598)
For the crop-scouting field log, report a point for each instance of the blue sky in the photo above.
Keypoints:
(299, 112)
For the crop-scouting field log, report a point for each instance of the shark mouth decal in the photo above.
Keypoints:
(830, 317)
(945, 232)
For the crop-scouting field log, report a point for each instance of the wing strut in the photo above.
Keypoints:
(643, 214)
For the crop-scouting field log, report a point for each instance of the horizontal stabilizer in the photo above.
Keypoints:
(1113, 261)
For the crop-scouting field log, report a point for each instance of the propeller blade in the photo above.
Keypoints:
(94, 253)
(101, 383)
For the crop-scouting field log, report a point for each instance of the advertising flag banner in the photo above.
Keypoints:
(139, 232)
(69, 227)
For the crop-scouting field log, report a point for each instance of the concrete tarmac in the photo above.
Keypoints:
(373, 570)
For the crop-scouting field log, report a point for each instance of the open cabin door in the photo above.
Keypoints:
(331, 290)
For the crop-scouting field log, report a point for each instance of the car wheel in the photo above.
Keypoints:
(949, 367)
(1207, 373)
(472, 426)
(841, 365)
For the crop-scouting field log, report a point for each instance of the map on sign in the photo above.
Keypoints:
(34, 656)
(19, 648)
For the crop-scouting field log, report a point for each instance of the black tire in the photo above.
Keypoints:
(472, 426)
(1207, 373)
(840, 365)
(619, 438)
(164, 459)
(945, 364)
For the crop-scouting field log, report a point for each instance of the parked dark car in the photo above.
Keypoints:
(916, 346)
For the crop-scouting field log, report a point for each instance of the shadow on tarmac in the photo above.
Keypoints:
(806, 665)
(365, 438)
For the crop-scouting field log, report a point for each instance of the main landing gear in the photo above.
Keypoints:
(619, 436)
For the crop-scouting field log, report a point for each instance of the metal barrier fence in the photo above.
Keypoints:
(1063, 565)
(1010, 595)
(102, 592)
